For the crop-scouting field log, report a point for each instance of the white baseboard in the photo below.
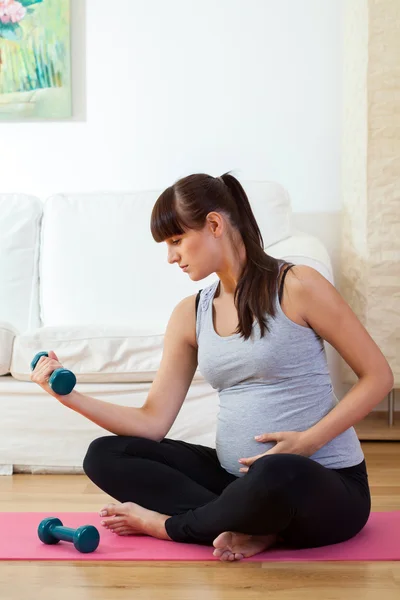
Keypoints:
(47, 470)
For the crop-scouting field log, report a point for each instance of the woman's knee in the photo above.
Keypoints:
(277, 472)
(107, 447)
(100, 450)
(95, 453)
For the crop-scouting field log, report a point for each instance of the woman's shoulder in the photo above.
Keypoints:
(299, 275)
(294, 290)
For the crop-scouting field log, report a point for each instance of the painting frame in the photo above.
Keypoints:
(35, 60)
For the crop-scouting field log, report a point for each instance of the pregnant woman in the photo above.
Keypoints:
(288, 466)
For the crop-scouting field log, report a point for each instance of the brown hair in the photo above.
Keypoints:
(186, 204)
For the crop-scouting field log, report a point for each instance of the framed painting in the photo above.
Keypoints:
(35, 59)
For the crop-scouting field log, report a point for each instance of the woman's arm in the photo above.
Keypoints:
(121, 420)
(324, 309)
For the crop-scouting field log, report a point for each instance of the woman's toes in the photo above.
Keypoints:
(119, 528)
(122, 530)
(228, 556)
(111, 522)
(108, 510)
(117, 522)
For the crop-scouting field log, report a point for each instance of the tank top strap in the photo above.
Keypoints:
(197, 300)
(282, 281)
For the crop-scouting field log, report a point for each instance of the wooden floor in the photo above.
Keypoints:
(193, 581)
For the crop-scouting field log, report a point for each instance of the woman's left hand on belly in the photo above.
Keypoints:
(287, 442)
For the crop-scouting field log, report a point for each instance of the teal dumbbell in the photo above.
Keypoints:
(85, 538)
(62, 381)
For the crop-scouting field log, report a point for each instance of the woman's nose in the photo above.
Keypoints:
(172, 259)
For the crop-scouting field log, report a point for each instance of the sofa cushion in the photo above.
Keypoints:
(95, 354)
(20, 217)
(7, 336)
(272, 209)
(100, 264)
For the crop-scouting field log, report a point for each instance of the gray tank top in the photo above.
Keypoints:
(277, 383)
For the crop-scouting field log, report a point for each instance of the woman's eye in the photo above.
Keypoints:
(176, 241)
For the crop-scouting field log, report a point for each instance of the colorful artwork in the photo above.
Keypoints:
(35, 71)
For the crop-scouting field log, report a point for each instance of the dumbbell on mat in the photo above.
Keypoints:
(85, 539)
(62, 381)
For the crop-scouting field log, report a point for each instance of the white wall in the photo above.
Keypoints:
(166, 88)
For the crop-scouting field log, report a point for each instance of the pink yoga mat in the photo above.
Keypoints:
(379, 540)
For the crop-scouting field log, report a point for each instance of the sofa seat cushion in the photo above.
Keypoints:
(96, 354)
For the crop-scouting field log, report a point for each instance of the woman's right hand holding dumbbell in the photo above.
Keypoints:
(44, 368)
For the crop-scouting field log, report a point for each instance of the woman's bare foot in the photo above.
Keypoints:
(230, 546)
(128, 518)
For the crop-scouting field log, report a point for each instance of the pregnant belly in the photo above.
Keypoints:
(237, 426)
(233, 443)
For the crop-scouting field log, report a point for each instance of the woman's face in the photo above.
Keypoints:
(198, 250)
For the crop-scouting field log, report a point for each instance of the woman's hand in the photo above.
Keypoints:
(287, 442)
(43, 370)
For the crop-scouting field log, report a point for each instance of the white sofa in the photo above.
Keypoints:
(81, 275)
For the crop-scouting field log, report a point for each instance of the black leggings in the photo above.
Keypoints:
(306, 504)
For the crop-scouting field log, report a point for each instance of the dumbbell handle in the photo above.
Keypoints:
(63, 533)
(62, 381)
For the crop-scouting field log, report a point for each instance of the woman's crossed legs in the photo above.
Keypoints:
(188, 497)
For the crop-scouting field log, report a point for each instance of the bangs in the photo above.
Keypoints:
(165, 221)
